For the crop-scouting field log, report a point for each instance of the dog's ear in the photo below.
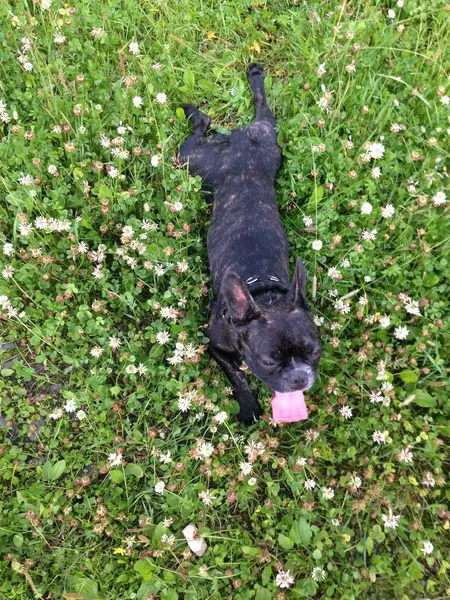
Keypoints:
(240, 304)
(296, 293)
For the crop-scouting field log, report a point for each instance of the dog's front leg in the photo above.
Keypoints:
(250, 409)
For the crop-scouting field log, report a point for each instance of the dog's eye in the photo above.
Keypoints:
(267, 362)
(315, 351)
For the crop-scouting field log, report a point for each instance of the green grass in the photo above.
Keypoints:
(79, 515)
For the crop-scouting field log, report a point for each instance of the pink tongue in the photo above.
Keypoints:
(289, 408)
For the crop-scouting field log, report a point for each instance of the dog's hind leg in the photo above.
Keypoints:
(199, 120)
(192, 149)
(255, 76)
(203, 152)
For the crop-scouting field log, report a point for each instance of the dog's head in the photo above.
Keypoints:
(279, 342)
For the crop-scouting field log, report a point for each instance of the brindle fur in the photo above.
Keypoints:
(268, 320)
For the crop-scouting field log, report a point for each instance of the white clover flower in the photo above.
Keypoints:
(375, 150)
(205, 450)
(70, 406)
(141, 369)
(366, 208)
(317, 245)
(246, 468)
(159, 487)
(321, 70)
(284, 579)
(376, 397)
(184, 403)
(137, 101)
(412, 307)
(4, 302)
(428, 479)
(96, 352)
(401, 332)
(387, 211)
(307, 221)
(379, 437)
(355, 481)
(56, 414)
(8, 249)
(26, 180)
(328, 493)
(81, 414)
(310, 484)
(207, 497)
(427, 547)
(58, 38)
(318, 574)
(161, 98)
(114, 343)
(133, 48)
(166, 458)
(97, 272)
(159, 270)
(375, 173)
(405, 456)
(162, 337)
(334, 273)
(155, 160)
(115, 459)
(390, 521)
(346, 412)
(252, 481)
(385, 321)
(369, 235)
(8, 272)
(220, 417)
(439, 199)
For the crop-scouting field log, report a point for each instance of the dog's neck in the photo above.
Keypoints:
(267, 291)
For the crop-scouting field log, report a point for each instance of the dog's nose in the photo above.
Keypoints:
(298, 379)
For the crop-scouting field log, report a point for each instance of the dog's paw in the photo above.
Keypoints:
(255, 70)
(250, 413)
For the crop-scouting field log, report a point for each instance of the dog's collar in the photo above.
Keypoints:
(267, 283)
(266, 288)
(253, 280)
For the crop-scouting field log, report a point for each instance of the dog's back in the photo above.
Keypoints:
(258, 316)
(246, 233)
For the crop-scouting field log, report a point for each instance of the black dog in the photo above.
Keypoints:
(258, 316)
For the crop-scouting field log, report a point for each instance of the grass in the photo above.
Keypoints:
(102, 327)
